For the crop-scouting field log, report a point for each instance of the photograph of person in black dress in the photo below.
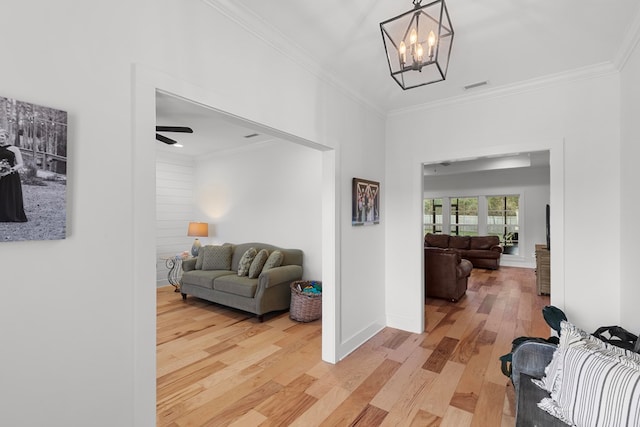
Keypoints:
(33, 171)
(11, 202)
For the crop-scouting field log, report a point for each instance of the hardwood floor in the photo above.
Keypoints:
(218, 367)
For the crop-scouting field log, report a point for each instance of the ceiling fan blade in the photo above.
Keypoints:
(182, 129)
(165, 139)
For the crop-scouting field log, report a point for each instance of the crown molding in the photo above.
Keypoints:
(629, 43)
(270, 35)
(584, 73)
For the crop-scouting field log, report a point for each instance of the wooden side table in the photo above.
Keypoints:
(543, 270)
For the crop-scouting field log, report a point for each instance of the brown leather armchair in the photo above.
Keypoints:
(445, 274)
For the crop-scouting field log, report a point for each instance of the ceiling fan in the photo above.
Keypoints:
(180, 129)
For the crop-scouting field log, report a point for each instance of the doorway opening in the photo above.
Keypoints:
(474, 176)
(146, 84)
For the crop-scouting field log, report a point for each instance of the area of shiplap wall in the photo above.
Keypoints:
(174, 208)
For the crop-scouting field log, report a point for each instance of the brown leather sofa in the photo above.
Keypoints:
(482, 251)
(445, 274)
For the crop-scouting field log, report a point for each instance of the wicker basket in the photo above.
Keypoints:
(304, 307)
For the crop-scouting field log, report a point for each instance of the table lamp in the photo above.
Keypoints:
(197, 229)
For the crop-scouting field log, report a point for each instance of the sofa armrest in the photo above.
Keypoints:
(283, 274)
(497, 248)
(189, 264)
(530, 358)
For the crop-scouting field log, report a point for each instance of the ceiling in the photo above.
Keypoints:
(212, 132)
(499, 41)
(504, 42)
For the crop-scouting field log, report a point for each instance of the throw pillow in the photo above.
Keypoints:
(274, 260)
(484, 242)
(595, 383)
(569, 336)
(459, 242)
(215, 257)
(200, 257)
(258, 263)
(245, 261)
(437, 240)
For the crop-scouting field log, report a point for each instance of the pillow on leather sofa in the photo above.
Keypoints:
(484, 242)
(459, 242)
(437, 240)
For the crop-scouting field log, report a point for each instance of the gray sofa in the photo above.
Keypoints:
(218, 281)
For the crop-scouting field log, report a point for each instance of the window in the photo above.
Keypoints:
(464, 216)
(502, 221)
(432, 216)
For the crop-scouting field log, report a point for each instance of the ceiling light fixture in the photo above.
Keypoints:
(418, 44)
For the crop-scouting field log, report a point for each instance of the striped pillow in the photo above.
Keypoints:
(596, 384)
(569, 336)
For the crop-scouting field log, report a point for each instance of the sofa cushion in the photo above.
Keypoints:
(437, 240)
(204, 279)
(258, 263)
(595, 383)
(215, 257)
(274, 260)
(484, 242)
(245, 262)
(459, 242)
(237, 285)
(478, 254)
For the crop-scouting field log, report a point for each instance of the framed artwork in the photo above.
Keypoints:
(365, 202)
(33, 171)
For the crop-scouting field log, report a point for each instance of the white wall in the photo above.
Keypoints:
(630, 198)
(531, 184)
(80, 347)
(585, 114)
(270, 193)
(174, 208)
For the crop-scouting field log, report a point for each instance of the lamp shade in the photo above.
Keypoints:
(198, 229)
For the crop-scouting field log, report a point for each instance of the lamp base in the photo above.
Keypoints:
(195, 249)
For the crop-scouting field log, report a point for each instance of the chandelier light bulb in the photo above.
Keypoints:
(419, 52)
(413, 37)
(402, 50)
(431, 41)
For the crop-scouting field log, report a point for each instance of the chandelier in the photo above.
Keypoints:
(418, 44)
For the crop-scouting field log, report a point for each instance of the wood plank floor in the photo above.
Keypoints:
(218, 367)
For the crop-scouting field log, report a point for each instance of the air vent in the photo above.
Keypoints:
(475, 85)
(251, 135)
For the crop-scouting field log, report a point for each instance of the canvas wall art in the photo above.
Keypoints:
(33, 171)
(365, 203)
